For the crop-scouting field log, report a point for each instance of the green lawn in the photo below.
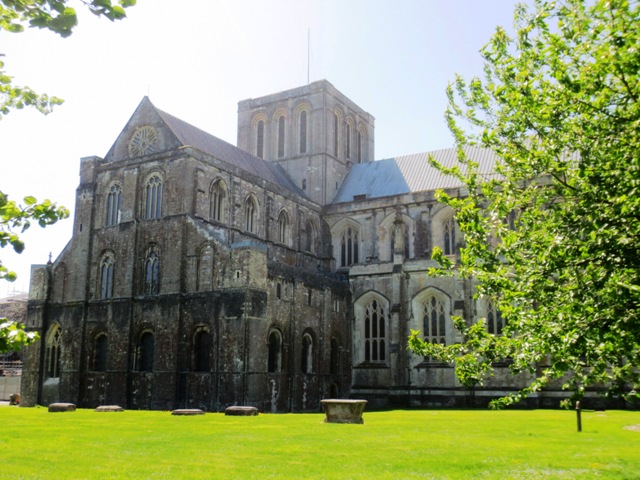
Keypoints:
(425, 444)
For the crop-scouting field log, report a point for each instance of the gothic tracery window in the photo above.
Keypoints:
(374, 332)
(114, 201)
(53, 351)
(349, 247)
(495, 322)
(449, 228)
(153, 198)
(250, 215)
(218, 201)
(152, 273)
(106, 277)
(434, 321)
(283, 227)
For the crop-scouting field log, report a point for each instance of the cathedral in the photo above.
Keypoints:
(275, 273)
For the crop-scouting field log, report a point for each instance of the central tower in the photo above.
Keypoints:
(314, 133)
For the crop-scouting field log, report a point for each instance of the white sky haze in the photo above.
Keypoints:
(197, 58)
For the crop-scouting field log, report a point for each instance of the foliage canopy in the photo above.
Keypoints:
(553, 238)
(56, 16)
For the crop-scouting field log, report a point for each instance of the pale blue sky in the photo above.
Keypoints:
(197, 58)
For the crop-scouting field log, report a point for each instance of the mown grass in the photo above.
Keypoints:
(426, 444)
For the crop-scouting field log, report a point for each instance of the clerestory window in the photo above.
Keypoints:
(153, 198)
(114, 202)
(374, 332)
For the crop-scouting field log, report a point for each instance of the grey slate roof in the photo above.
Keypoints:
(209, 144)
(408, 174)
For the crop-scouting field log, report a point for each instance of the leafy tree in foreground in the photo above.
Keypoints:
(15, 218)
(554, 239)
(56, 16)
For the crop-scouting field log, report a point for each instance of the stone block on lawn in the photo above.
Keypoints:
(62, 407)
(338, 410)
(241, 411)
(187, 411)
(109, 408)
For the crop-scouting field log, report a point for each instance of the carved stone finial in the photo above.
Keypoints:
(49, 262)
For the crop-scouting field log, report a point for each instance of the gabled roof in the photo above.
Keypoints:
(194, 137)
(183, 134)
(409, 174)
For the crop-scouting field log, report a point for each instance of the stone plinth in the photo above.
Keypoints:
(187, 411)
(339, 410)
(109, 408)
(62, 407)
(241, 411)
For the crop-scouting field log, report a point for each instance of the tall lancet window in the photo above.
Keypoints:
(349, 247)
(153, 200)
(152, 273)
(303, 131)
(106, 277)
(260, 139)
(449, 228)
(281, 136)
(114, 200)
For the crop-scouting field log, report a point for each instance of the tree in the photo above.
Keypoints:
(58, 17)
(553, 238)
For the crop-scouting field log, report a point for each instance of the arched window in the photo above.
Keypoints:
(449, 228)
(205, 269)
(260, 139)
(218, 201)
(404, 239)
(494, 319)
(153, 198)
(310, 237)
(274, 362)
(434, 321)
(283, 228)
(347, 149)
(349, 247)
(250, 214)
(281, 136)
(106, 277)
(202, 344)
(152, 273)
(146, 352)
(53, 351)
(334, 362)
(114, 201)
(336, 133)
(359, 147)
(306, 360)
(101, 349)
(303, 131)
(374, 333)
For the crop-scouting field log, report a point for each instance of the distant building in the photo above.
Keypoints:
(274, 274)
